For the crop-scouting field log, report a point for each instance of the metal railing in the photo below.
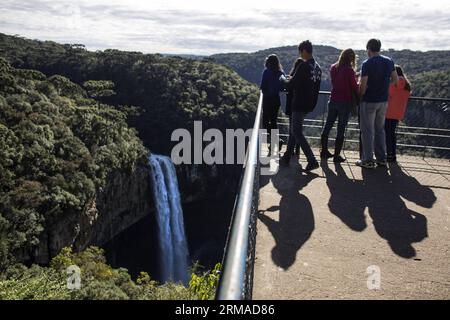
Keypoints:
(425, 131)
(236, 280)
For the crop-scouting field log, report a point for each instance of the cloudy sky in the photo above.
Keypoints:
(206, 27)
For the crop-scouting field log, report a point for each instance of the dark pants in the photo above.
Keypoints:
(390, 126)
(341, 112)
(296, 136)
(270, 106)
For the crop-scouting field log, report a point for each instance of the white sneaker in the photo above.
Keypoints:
(365, 164)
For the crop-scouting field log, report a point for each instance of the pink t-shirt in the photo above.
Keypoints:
(343, 81)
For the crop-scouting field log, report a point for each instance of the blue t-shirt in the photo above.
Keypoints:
(270, 83)
(378, 69)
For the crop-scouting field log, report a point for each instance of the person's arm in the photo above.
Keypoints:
(297, 76)
(264, 81)
(363, 86)
(364, 79)
(353, 83)
(282, 78)
(394, 77)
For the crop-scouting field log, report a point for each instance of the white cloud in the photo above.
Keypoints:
(205, 27)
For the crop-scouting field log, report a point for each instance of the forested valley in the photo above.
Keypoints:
(71, 120)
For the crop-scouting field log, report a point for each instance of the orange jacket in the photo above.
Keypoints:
(398, 100)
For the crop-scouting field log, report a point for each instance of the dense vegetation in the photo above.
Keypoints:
(170, 92)
(97, 281)
(432, 83)
(65, 118)
(57, 147)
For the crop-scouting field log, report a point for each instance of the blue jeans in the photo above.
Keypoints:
(296, 136)
(341, 112)
(373, 137)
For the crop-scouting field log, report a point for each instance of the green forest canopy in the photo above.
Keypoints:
(170, 92)
(65, 124)
(57, 147)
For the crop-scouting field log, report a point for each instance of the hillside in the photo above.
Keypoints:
(250, 65)
(71, 118)
(57, 147)
(171, 92)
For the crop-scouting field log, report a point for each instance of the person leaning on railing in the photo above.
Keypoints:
(399, 94)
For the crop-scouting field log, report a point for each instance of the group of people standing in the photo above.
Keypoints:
(380, 89)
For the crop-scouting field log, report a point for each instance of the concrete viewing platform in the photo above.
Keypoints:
(318, 233)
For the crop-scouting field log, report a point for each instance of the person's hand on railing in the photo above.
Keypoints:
(284, 78)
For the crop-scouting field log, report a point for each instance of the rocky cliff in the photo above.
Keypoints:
(124, 201)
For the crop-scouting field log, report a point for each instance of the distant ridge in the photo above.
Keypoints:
(250, 65)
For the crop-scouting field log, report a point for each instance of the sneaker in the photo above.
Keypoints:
(311, 166)
(338, 159)
(382, 163)
(325, 154)
(365, 164)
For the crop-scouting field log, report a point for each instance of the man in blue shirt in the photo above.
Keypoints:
(377, 73)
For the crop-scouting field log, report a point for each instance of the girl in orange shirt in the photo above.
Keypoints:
(398, 101)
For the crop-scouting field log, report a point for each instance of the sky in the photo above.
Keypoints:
(206, 27)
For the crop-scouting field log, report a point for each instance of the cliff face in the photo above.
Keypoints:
(202, 182)
(124, 201)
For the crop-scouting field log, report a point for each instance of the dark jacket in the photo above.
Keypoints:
(270, 83)
(305, 85)
(288, 89)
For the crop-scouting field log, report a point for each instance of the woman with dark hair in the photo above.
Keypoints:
(344, 88)
(271, 87)
(398, 99)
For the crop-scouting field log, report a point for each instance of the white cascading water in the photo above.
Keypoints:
(172, 239)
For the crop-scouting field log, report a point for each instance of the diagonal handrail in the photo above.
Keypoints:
(234, 283)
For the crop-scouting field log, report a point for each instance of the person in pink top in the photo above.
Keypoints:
(343, 81)
(398, 100)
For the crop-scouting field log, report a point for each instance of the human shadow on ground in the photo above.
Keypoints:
(381, 191)
(296, 220)
(392, 219)
(347, 199)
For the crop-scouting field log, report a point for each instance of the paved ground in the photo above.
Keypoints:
(318, 233)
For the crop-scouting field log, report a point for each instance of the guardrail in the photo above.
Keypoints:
(425, 130)
(236, 280)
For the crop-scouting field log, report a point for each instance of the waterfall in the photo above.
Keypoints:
(169, 214)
